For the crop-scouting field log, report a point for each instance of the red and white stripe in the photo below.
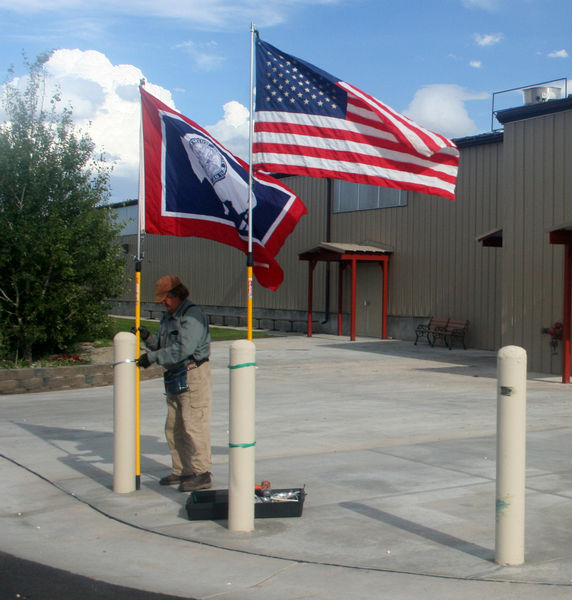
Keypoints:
(373, 145)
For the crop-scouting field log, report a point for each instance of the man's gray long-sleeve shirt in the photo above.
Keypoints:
(182, 335)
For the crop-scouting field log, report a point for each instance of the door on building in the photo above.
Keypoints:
(369, 296)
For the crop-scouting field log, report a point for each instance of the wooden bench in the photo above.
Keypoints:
(424, 329)
(447, 330)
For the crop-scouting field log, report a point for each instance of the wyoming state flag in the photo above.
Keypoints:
(193, 186)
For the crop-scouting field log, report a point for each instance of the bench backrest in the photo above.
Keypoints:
(434, 323)
(458, 325)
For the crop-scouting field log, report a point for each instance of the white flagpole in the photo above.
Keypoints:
(249, 259)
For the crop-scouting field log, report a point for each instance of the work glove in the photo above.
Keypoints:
(143, 332)
(143, 361)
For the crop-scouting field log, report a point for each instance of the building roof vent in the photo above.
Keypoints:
(531, 94)
(534, 95)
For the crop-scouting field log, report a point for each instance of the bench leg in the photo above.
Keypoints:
(461, 338)
(451, 341)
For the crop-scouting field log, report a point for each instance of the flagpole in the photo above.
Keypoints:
(137, 371)
(249, 257)
(140, 202)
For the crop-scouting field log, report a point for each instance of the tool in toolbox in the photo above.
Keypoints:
(265, 493)
(264, 489)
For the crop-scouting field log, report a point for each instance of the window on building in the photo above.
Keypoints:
(349, 196)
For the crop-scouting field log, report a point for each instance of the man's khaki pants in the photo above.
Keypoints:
(188, 425)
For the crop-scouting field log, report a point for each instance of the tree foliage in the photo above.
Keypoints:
(59, 259)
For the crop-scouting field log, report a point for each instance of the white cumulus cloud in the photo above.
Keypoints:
(232, 130)
(105, 103)
(488, 39)
(476, 64)
(558, 54)
(441, 108)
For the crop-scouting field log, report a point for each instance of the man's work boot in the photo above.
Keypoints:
(202, 481)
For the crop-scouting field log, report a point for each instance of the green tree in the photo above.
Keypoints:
(59, 258)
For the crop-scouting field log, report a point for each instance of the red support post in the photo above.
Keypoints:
(341, 268)
(385, 267)
(311, 267)
(567, 311)
(353, 309)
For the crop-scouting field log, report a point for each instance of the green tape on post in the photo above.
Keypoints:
(252, 364)
(242, 445)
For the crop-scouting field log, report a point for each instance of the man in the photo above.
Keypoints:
(182, 347)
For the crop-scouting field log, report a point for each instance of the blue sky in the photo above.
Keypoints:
(438, 61)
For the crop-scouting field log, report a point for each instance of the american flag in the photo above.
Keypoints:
(308, 122)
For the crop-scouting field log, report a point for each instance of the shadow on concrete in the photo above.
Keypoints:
(421, 530)
(26, 579)
(470, 360)
(92, 451)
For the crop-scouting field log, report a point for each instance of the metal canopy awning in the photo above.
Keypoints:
(347, 254)
(561, 234)
(491, 239)
(339, 250)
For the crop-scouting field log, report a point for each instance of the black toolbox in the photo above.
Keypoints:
(212, 505)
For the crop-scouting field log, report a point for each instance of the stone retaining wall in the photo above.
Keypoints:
(48, 379)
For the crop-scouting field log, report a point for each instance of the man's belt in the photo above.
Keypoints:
(193, 364)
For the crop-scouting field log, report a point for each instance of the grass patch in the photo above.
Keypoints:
(117, 324)
(217, 333)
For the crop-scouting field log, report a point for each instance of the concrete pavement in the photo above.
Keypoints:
(395, 444)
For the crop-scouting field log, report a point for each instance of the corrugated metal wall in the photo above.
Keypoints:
(536, 198)
(437, 266)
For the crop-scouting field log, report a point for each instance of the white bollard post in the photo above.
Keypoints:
(241, 437)
(511, 455)
(124, 368)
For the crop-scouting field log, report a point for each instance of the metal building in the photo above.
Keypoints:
(487, 257)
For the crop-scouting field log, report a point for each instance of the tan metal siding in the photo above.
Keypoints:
(310, 231)
(437, 267)
(537, 190)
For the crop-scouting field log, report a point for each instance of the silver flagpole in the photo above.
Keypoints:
(249, 259)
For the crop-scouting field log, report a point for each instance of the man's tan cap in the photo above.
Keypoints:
(164, 286)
